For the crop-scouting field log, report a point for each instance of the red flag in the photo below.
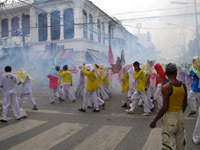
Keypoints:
(110, 55)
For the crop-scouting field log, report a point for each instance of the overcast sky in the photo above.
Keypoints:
(167, 39)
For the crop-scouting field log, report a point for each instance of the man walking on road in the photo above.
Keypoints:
(174, 104)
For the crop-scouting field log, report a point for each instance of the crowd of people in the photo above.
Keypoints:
(164, 88)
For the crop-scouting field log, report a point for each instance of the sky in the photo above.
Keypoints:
(167, 34)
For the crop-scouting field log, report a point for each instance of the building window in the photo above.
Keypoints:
(68, 23)
(42, 27)
(99, 30)
(15, 26)
(4, 27)
(91, 27)
(85, 25)
(55, 25)
(26, 24)
(103, 32)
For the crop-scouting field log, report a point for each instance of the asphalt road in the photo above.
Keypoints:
(61, 126)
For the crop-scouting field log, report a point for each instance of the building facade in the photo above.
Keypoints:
(62, 31)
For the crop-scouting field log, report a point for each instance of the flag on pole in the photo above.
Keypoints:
(122, 58)
(110, 55)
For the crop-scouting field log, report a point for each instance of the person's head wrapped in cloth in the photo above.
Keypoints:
(160, 74)
(196, 67)
(22, 74)
(53, 72)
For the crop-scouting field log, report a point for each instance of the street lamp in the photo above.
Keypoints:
(182, 47)
(196, 19)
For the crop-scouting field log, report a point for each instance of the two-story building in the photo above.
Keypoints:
(61, 32)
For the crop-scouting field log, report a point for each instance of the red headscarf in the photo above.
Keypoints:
(160, 72)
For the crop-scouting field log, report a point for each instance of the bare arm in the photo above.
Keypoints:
(166, 91)
(185, 99)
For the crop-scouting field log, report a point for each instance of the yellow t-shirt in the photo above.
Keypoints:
(91, 80)
(125, 86)
(67, 77)
(141, 80)
(59, 80)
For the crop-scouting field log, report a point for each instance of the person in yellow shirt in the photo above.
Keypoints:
(91, 86)
(67, 83)
(140, 89)
(100, 90)
(125, 88)
(106, 81)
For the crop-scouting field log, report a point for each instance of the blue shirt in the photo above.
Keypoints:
(195, 84)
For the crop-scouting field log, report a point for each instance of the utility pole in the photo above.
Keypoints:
(23, 38)
(197, 29)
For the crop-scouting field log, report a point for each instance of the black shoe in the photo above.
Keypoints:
(35, 108)
(103, 105)
(19, 118)
(191, 114)
(73, 101)
(152, 109)
(60, 99)
(82, 110)
(4, 121)
(52, 103)
(96, 110)
(125, 105)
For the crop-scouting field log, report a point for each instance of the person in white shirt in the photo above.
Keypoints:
(8, 82)
(25, 79)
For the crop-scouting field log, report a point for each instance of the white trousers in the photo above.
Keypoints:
(107, 89)
(196, 133)
(101, 92)
(90, 95)
(140, 95)
(30, 97)
(53, 94)
(131, 89)
(67, 92)
(7, 100)
(80, 87)
(124, 97)
(151, 93)
(59, 92)
(193, 97)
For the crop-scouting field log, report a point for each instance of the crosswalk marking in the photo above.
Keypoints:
(121, 115)
(106, 138)
(20, 127)
(154, 140)
(50, 138)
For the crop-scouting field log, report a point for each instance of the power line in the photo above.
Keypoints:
(136, 12)
(158, 17)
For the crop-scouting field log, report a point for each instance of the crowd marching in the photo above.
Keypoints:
(166, 89)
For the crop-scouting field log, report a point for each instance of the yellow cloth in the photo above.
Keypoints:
(125, 86)
(22, 74)
(99, 79)
(67, 77)
(176, 99)
(59, 80)
(141, 80)
(91, 80)
(105, 76)
(106, 80)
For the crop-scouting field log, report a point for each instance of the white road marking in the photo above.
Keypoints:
(105, 138)
(50, 138)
